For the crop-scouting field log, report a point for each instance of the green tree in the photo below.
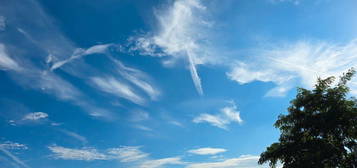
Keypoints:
(320, 129)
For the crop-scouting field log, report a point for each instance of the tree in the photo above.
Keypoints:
(320, 129)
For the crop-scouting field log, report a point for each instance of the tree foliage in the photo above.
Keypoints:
(320, 129)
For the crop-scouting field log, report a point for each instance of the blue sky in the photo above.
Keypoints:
(161, 83)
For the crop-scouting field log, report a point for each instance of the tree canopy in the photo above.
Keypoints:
(320, 129)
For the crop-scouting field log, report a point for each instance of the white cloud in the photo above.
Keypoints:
(161, 162)
(50, 83)
(207, 151)
(142, 127)
(14, 158)
(123, 154)
(244, 161)
(176, 123)
(139, 115)
(35, 116)
(297, 64)
(226, 116)
(295, 2)
(86, 154)
(13, 146)
(211, 119)
(180, 36)
(6, 62)
(117, 88)
(138, 78)
(33, 41)
(127, 153)
(78, 53)
(132, 156)
(74, 135)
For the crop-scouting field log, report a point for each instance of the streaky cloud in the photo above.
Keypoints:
(207, 151)
(179, 37)
(127, 153)
(6, 62)
(31, 42)
(196, 79)
(297, 63)
(161, 162)
(131, 155)
(74, 135)
(78, 53)
(13, 146)
(117, 88)
(14, 158)
(86, 154)
(138, 78)
(227, 115)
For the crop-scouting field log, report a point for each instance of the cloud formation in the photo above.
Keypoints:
(207, 151)
(117, 88)
(138, 78)
(26, 60)
(295, 2)
(86, 154)
(78, 53)
(15, 159)
(75, 136)
(226, 116)
(35, 53)
(9, 146)
(161, 162)
(35, 116)
(131, 155)
(13, 146)
(295, 64)
(6, 62)
(128, 153)
(180, 36)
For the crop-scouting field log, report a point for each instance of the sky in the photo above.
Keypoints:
(160, 83)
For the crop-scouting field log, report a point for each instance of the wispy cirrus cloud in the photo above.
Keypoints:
(75, 135)
(25, 48)
(138, 78)
(128, 153)
(78, 53)
(131, 155)
(295, 2)
(13, 146)
(222, 119)
(161, 162)
(6, 62)
(139, 115)
(207, 151)
(295, 64)
(9, 146)
(118, 88)
(33, 52)
(123, 154)
(86, 154)
(180, 36)
(17, 160)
